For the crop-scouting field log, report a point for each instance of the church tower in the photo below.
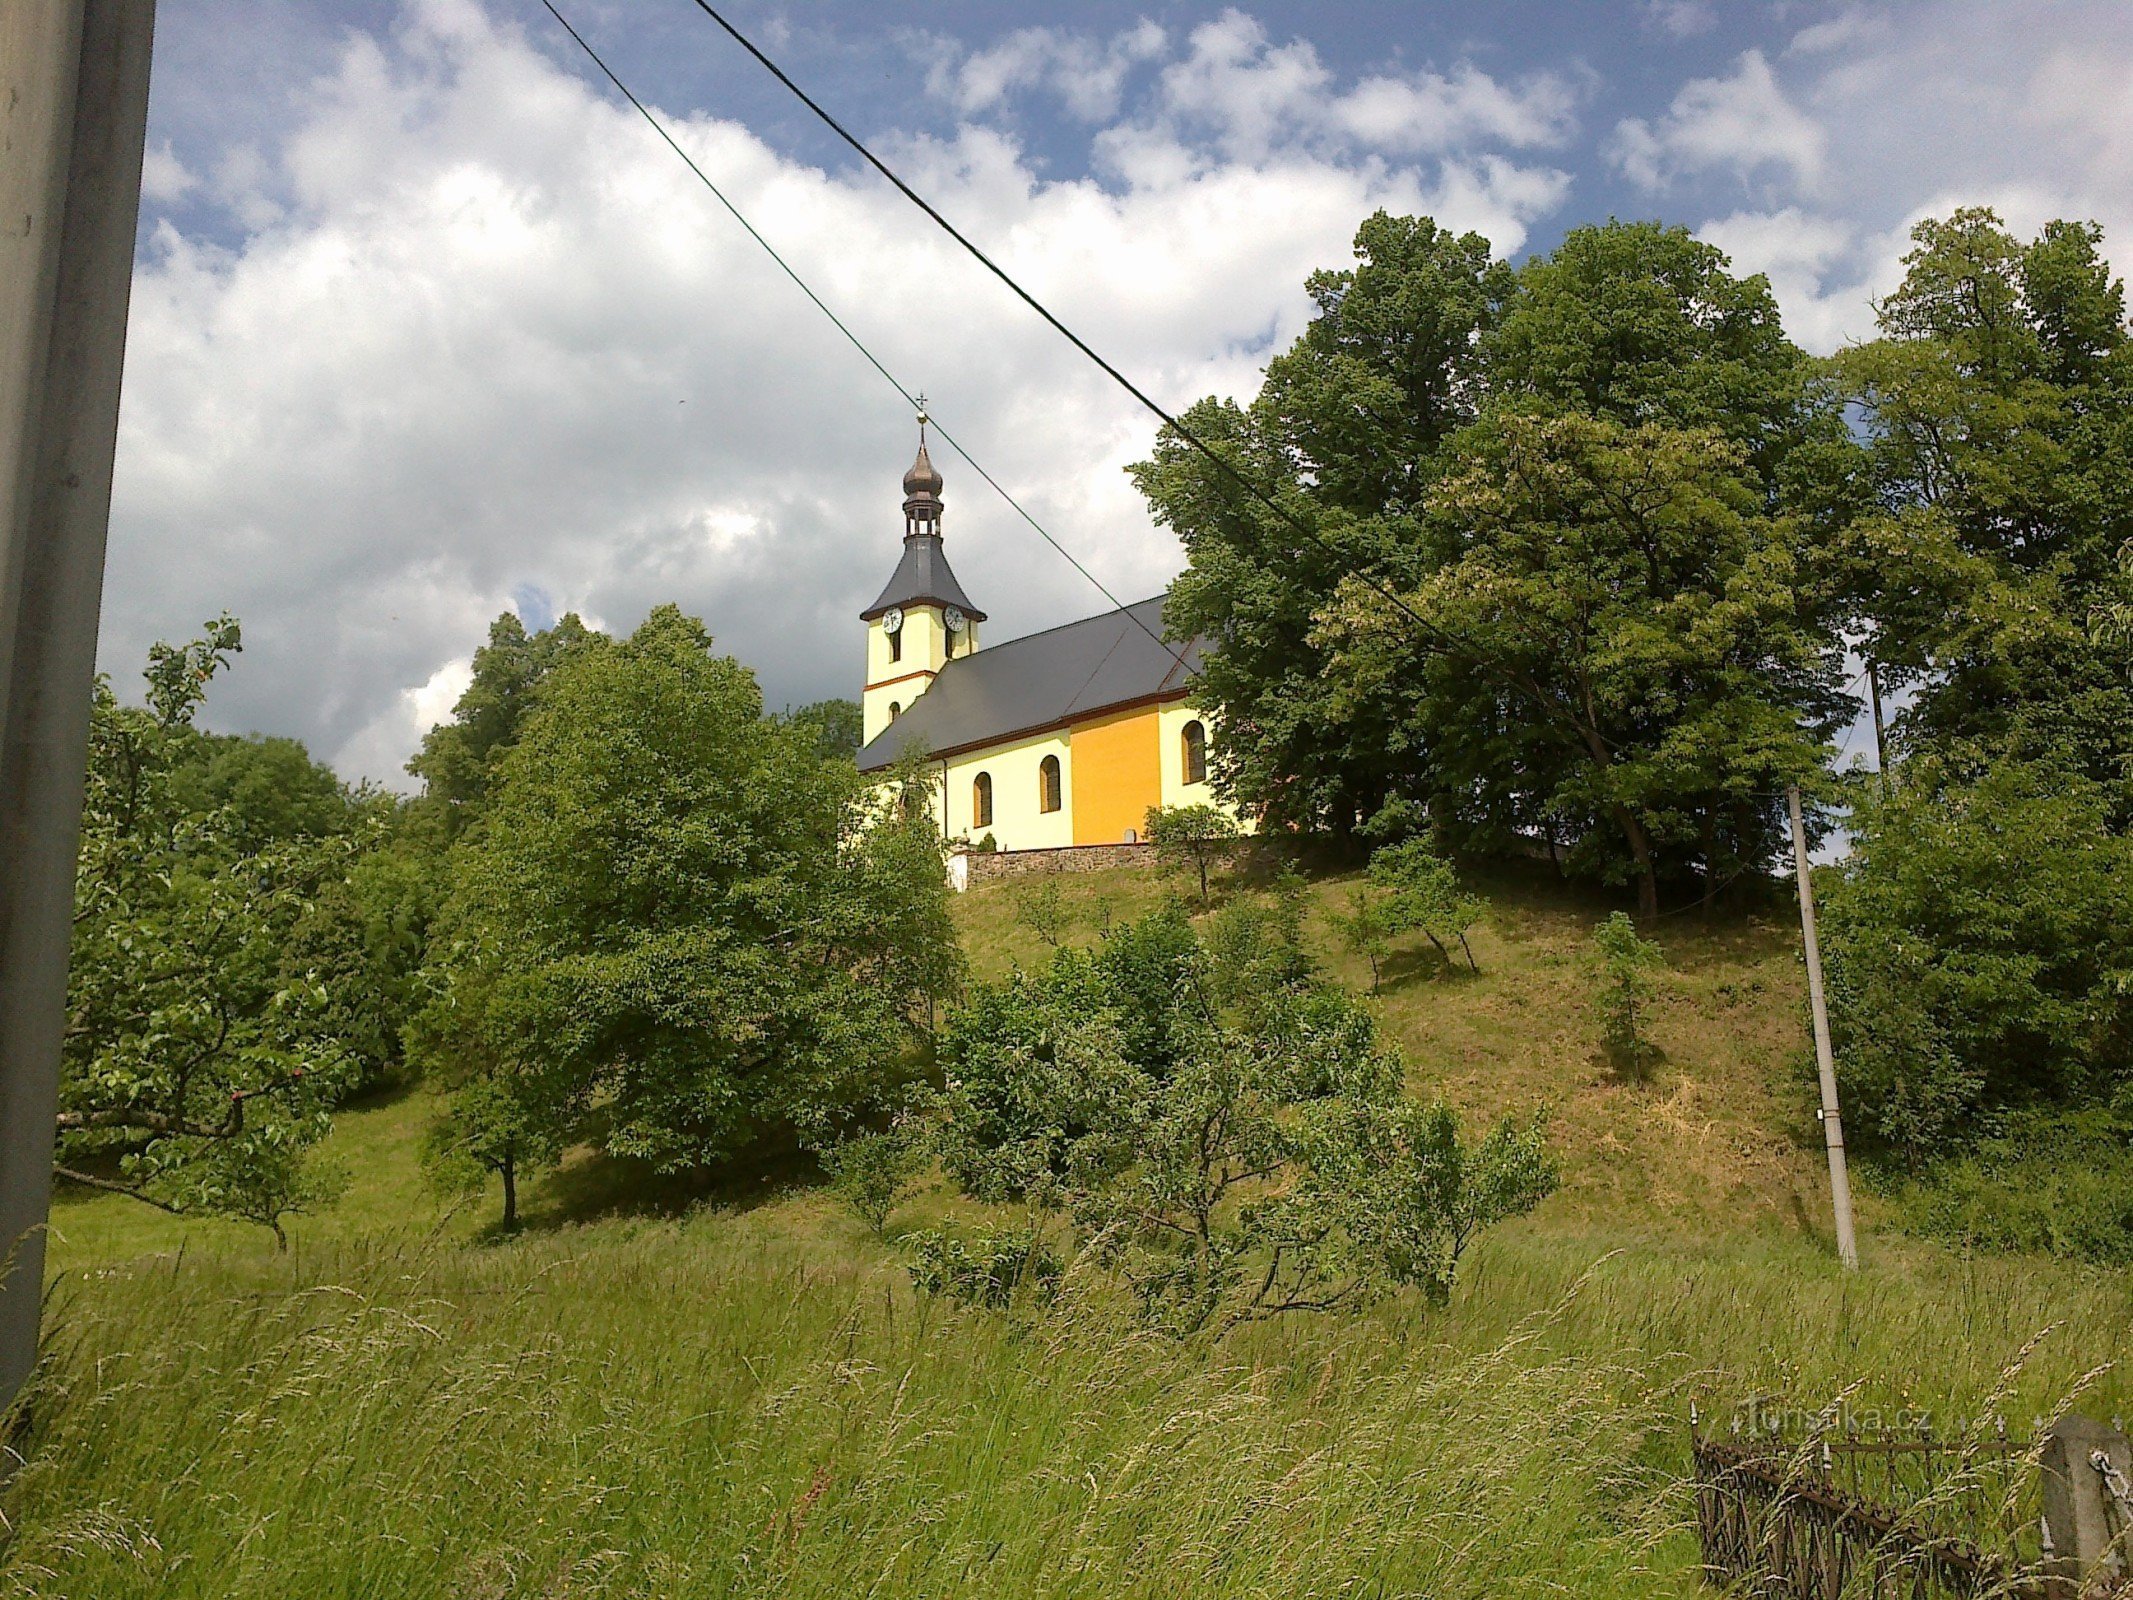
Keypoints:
(922, 620)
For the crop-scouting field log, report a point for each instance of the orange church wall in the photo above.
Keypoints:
(1115, 772)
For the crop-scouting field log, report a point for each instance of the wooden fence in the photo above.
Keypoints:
(1828, 1515)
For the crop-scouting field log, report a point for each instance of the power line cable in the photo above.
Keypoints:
(838, 322)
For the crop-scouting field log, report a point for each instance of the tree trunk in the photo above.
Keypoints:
(1640, 850)
(510, 1176)
(1469, 949)
(1710, 860)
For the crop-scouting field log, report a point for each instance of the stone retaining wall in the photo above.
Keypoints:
(986, 866)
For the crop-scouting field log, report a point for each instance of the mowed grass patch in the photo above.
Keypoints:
(742, 1403)
(1721, 1132)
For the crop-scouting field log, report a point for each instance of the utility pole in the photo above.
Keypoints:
(73, 118)
(1840, 1183)
(1881, 736)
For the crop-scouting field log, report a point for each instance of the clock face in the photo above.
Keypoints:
(954, 617)
(892, 619)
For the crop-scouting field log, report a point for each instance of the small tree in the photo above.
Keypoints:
(1626, 964)
(1041, 908)
(492, 1124)
(1366, 928)
(873, 1172)
(1189, 838)
(1422, 892)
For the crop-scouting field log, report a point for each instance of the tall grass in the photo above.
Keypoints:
(744, 1404)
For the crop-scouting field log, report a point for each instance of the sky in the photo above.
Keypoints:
(428, 325)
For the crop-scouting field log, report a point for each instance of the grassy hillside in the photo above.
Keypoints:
(746, 1397)
(1721, 1135)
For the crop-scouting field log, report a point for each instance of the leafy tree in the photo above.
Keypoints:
(497, 1123)
(1272, 1164)
(1998, 410)
(1422, 893)
(1980, 940)
(1366, 928)
(872, 1173)
(675, 910)
(459, 760)
(1623, 999)
(198, 1072)
(270, 789)
(1622, 622)
(1501, 450)
(836, 724)
(1191, 838)
(1042, 908)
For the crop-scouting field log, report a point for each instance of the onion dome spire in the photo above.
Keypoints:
(922, 488)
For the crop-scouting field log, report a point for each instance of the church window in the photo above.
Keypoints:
(1194, 740)
(896, 645)
(895, 710)
(1048, 784)
(981, 800)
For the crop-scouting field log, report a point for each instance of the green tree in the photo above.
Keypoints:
(1422, 894)
(1980, 942)
(270, 788)
(1366, 927)
(1617, 622)
(459, 760)
(1998, 410)
(1434, 387)
(676, 911)
(1270, 1164)
(872, 1172)
(836, 725)
(1622, 1001)
(199, 1070)
(1191, 839)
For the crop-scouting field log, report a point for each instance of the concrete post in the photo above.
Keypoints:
(73, 118)
(2088, 1506)
(1840, 1185)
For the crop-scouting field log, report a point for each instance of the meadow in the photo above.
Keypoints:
(659, 1390)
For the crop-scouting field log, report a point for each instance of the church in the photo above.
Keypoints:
(1062, 738)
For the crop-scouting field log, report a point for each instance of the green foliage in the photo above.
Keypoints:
(836, 726)
(200, 1065)
(1604, 482)
(460, 760)
(1998, 408)
(872, 1172)
(1980, 954)
(2051, 1183)
(987, 1267)
(1421, 893)
(675, 911)
(269, 790)
(1190, 839)
(1255, 946)
(1230, 1162)
(1366, 928)
(1622, 1001)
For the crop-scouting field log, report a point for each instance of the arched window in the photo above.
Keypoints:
(1194, 740)
(1048, 784)
(981, 800)
(895, 710)
(896, 645)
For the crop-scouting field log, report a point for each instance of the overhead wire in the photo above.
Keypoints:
(844, 328)
(1221, 462)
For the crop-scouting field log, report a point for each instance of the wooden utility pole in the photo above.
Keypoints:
(1840, 1183)
(73, 118)
(1881, 736)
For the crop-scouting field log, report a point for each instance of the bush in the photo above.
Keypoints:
(2057, 1184)
(873, 1172)
(1189, 839)
(1623, 1002)
(987, 1268)
(1230, 1159)
(1421, 892)
(1980, 944)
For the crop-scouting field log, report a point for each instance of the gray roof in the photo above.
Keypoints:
(1039, 682)
(922, 574)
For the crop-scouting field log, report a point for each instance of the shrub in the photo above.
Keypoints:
(1190, 839)
(988, 1267)
(1623, 1001)
(1042, 908)
(1421, 892)
(873, 1172)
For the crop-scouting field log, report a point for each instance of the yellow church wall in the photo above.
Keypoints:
(1017, 823)
(1171, 743)
(927, 643)
(1117, 775)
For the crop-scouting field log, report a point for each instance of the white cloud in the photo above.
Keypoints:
(486, 338)
(1086, 76)
(164, 178)
(1743, 123)
(1680, 19)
